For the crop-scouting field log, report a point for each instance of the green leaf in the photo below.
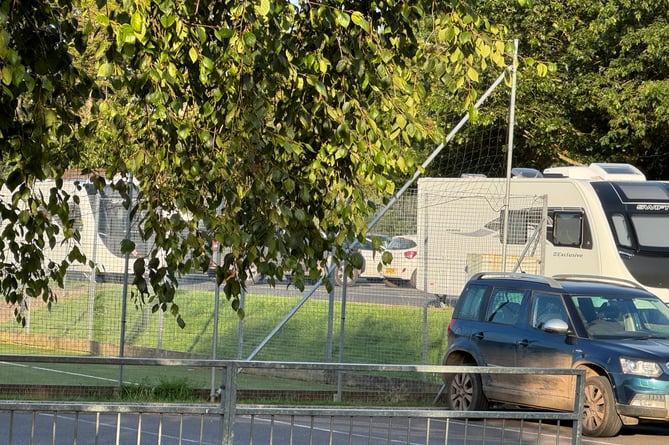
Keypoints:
(360, 20)
(7, 74)
(105, 70)
(136, 22)
(184, 131)
(466, 37)
(318, 85)
(167, 20)
(263, 8)
(192, 53)
(102, 19)
(139, 266)
(249, 39)
(126, 35)
(127, 246)
(207, 63)
(473, 114)
(472, 74)
(342, 18)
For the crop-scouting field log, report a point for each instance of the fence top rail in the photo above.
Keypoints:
(241, 364)
(109, 407)
(273, 410)
(534, 414)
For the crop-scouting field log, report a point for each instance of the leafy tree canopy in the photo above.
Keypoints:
(605, 93)
(261, 126)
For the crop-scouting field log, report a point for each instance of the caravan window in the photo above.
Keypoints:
(74, 215)
(567, 229)
(651, 230)
(112, 224)
(622, 231)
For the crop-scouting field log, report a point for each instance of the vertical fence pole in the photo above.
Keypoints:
(92, 281)
(577, 426)
(214, 334)
(161, 330)
(342, 326)
(240, 326)
(331, 307)
(228, 403)
(124, 302)
(509, 152)
(425, 332)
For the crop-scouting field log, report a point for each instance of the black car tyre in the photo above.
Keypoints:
(600, 418)
(464, 392)
(412, 281)
(350, 281)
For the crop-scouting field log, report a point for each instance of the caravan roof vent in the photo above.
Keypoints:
(598, 170)
(618, 172)
(524, 172)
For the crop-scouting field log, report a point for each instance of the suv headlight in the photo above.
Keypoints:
(640, 367)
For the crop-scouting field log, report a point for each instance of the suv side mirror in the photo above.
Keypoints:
(557, 326)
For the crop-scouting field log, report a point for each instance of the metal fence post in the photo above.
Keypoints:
(228, 403)
(579, 402)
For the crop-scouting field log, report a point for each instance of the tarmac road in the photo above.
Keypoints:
(170, 429)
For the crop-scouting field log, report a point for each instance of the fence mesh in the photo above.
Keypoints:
(471, 225)
(371, 320)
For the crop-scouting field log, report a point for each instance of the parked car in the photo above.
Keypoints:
(614, 329)
(371, 260)
(402, 269)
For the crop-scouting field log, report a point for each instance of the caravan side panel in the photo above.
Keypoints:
(461, 228)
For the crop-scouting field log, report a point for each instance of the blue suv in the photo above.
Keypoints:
(615, 330)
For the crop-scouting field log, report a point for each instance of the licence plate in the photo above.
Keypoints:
(389, 271)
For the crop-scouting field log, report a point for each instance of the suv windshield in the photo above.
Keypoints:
(612, 317)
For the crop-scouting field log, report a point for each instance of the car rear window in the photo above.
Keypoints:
(400, 243)
(470, 306)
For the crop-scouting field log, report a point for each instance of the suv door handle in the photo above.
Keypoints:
(523, 343)
(478, 336)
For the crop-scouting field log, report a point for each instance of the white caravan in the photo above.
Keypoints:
(102, 221)
(605, 219)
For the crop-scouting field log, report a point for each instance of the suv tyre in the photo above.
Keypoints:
(599, 412)
(464, 392)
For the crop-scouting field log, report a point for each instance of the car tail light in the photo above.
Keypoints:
(450, 326)
(410, 254)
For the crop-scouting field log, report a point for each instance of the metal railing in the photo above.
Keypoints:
(229, 422)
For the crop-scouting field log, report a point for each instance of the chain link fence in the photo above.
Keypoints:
(368, 319)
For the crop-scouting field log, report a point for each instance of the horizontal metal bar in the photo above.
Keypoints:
(259, 410)
(256, 410)
(96, 407)
(285, 365)
(400, 412)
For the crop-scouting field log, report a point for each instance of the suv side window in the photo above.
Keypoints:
(547, 307)
(471, 302)
(504, 306)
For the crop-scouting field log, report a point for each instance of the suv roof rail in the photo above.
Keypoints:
(518, 276)
(599, 279)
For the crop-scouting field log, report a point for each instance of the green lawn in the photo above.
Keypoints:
(373, 334)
